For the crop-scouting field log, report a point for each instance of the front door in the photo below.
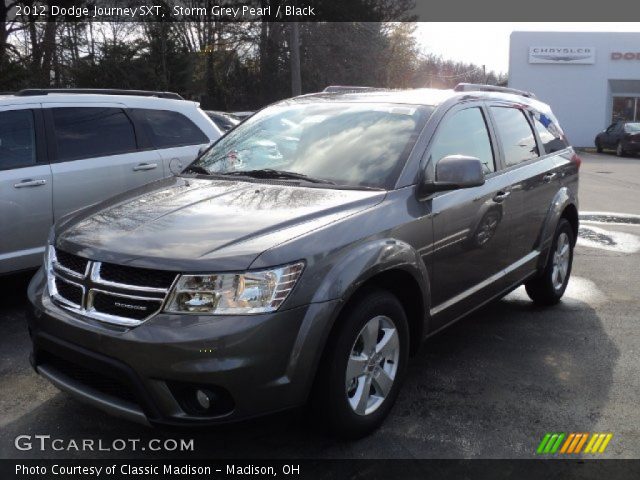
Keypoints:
(471, 226)
(25, 188)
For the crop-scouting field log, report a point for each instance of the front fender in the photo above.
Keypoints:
(366, 261)
(347, 273)
(562, 199)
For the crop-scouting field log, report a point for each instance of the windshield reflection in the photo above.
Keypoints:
(355, 144)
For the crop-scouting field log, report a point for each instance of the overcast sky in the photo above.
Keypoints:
(488, 43)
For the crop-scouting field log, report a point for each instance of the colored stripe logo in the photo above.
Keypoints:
(574, 443)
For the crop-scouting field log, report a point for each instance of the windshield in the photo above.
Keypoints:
(632, 127)
(351, 144)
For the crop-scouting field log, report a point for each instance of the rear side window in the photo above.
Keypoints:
(550, 134)
(92, 132)
(516, 137)
(171, 129)
(17, 139)
(465, 133)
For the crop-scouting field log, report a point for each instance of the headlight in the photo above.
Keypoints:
(260, 291)
(49, 257)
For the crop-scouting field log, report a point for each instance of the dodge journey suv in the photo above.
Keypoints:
(303, 258)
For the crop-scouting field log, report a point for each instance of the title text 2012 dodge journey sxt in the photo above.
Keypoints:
(306, 255)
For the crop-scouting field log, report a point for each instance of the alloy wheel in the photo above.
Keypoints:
(373, 365)
(561, 259)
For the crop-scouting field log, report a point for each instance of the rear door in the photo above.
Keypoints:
(96, 154)
(472, 227)
(25, 188)
(534, 172)
(176, 138)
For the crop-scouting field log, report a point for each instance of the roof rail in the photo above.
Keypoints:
(346, 89)
(475, 87)
(28, 92)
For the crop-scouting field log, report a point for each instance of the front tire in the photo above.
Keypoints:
(598, 147)
(548, 288)
(363, 366)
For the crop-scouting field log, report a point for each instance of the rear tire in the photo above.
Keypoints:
(363, 366)
(548, 288)
(598, 147)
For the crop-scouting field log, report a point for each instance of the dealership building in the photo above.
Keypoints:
(590, 79)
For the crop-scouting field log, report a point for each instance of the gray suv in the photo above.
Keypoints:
(304, 257)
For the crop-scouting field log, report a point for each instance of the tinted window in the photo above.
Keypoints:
(549, 133)
(359, 144)
(92, 132)
(465, 133)
(516, 136)
(172, 129)
(17, 139)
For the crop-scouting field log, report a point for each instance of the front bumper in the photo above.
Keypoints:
(265, 363)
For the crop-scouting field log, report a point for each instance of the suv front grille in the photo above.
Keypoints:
(116, 294)
(124, 306)
(141, 277)
(72, 262)
(69, 291)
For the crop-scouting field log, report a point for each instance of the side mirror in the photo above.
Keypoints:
(454, 172)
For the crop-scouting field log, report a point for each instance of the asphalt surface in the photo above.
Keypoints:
(490, 386)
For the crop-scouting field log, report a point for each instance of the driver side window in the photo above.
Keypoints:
(465, 133)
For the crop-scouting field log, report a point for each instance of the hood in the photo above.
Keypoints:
(194, 224)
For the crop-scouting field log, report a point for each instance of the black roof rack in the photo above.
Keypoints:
(475, 87)
(28, 92)
(346, 89)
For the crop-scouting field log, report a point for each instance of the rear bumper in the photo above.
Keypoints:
(265, 363)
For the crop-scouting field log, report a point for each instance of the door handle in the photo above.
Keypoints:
(145, 166)
(30, 183)
(501, 196)
(548, 177)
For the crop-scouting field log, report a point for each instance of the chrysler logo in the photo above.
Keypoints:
(561, 55)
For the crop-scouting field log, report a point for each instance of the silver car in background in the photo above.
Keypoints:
(62, 150)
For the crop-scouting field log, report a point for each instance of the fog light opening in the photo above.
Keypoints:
(204, 399)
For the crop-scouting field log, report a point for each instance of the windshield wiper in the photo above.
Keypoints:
(271, 173)
(196, 169)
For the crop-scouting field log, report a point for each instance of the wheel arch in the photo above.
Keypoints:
(564, 205)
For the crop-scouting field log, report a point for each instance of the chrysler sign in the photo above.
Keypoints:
(562, 55)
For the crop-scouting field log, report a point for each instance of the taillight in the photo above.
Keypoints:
(576, 160)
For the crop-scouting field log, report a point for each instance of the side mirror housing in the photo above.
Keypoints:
(454, 172)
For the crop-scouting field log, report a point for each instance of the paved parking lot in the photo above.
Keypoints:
(489, 387)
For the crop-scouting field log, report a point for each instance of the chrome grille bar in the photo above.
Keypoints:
(92, 284)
